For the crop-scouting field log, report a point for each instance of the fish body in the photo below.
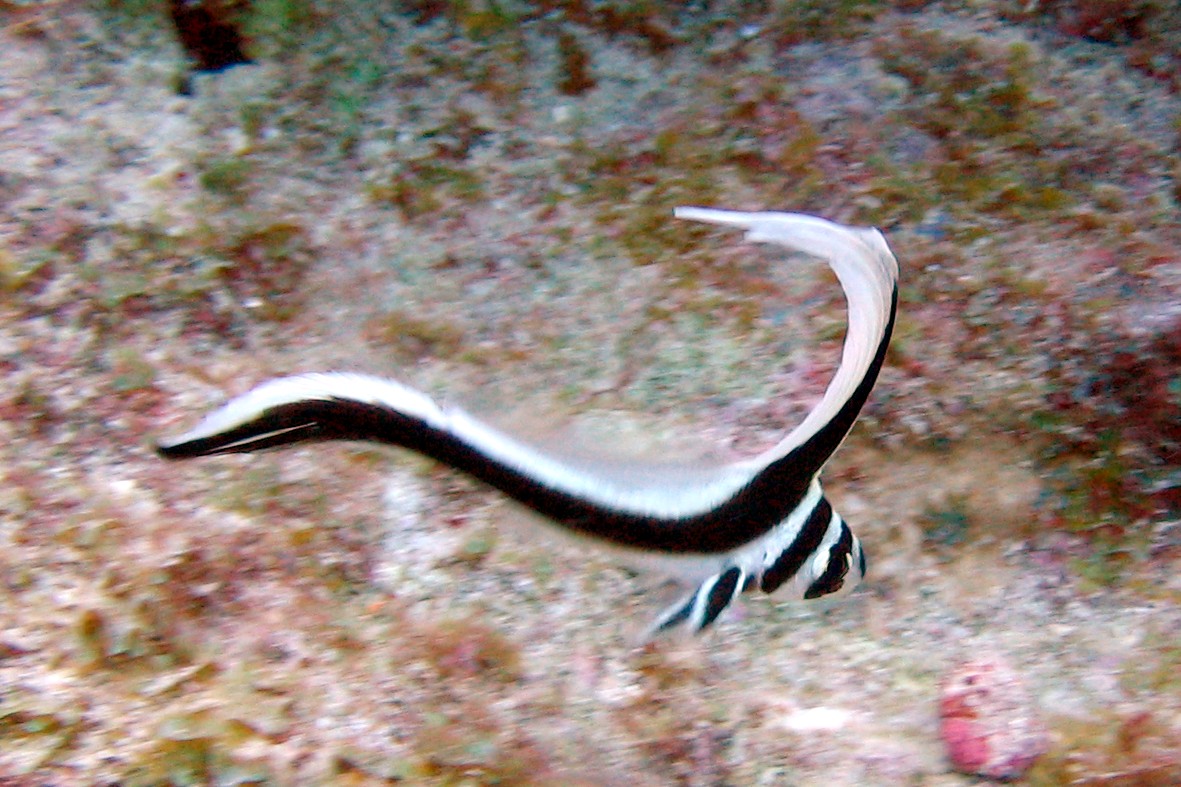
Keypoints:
(761, 523)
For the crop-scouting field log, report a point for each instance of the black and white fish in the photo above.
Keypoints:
(759, 523)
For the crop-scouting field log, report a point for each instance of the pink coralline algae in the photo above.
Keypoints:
(988, 721)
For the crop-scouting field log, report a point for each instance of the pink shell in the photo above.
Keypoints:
(988, 721)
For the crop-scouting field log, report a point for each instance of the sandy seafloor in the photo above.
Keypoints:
(433, 197)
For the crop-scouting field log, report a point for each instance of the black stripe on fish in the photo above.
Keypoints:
(702, 607)
(840, 560)
(802, 547)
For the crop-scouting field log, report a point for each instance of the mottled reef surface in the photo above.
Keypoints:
(475, 197)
